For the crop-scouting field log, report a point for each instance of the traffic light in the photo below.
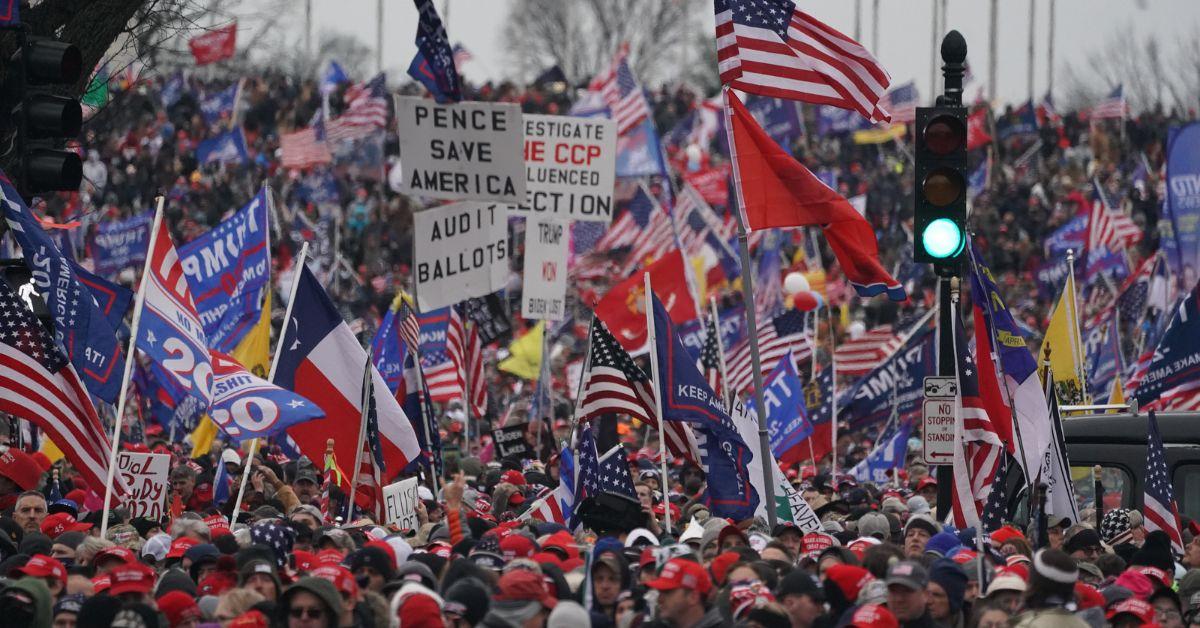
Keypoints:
(940, 214)
(43, 120)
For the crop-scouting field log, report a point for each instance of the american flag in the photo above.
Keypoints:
(461, 55)
(600, 474)
(864, 354)
(1159, 506)
(1114, 106)
(902, 101)
(622, 93)
(441, 374)
(657, 235)
(981, 447)
(589, 259)
(775, 338)
(38, 384)
(995, 512)
(613, 384)
(772, 48)
(410, 326)
(768, 279)
(466, 354)
(1108, 226)
(368, 494)
(710, 357)
(302, 149)
(557, 505)
(366, 111)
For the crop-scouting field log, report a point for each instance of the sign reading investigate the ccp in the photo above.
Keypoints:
(570, 166)
(463, 151)
(461, 252)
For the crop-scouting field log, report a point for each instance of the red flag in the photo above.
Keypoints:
(622, 308)
(711, 183)
(214, 46)
(977, 134)
(775, 190)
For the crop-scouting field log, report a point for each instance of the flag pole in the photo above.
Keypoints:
(833, 391)
(368, 389)
(716, 318)
(542, 392)
(647, 299)
(129, 361)
(466, 392)
(1076, 339)
(287, 316)
(764, 439)
(422, 401)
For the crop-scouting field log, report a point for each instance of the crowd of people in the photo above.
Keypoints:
(882, 558)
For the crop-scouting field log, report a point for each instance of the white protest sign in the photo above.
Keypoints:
(146, 477)
(463, 151)
(400, 504)
(570, 166)
(461, 252)
(544, 295)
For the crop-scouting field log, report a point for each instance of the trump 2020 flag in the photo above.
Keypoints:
(81, 329)
(887, 456)
(322, 358)
(775, 190)
(245, 406)
(685, 396)
(229, 269)
(223, 148)
(1172, 378)
(439, 56)
(171, 333)
(787, 420)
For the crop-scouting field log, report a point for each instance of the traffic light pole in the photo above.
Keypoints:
(954, 54)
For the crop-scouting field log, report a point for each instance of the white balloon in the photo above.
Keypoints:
(794, 283)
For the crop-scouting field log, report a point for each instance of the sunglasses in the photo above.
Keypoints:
(310, 613)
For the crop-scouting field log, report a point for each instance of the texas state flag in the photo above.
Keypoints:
(321, 359)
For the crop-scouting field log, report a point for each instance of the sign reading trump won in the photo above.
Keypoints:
(570, 165)
(544, 293)
(463, 151)
(461, 252)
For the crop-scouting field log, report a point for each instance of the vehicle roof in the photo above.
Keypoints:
(1175, 427)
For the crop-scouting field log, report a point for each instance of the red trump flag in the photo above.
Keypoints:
(216, 45)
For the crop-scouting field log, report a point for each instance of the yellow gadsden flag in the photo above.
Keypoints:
(1066, 346)
(525, 354)
(253, 352)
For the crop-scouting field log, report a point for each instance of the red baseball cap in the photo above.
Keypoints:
(178, 607)
(513, 477)
(341, 578)
(180, 546)
(517, 546)
(101, 583)
(43, 566)
(119, 552)
(21, 468)
(681, 573)
(305, 560)
(131, 578)
(1141, 609)
(926, 482)
(873, 616)
(218, 525)
(329, 557)
(813, 543)
(520, 585)
(59, 522)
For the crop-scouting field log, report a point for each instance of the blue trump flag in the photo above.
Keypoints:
(226, 147)
(333, 76)
(111, 299)
(787, 420)
(779, 118)
(173, 90)
(1070, 236)
(229, 269)
(887, 456)
(1183, 201)
(1169, 380)
(246, 406)
(220, 104)
(1102, 355)
(433, 45)
(898, 382)
(120, 244)
(80, 327)
(639, 153)
(1023, 121)
(686, 397)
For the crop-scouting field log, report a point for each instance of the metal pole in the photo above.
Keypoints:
(466, 393)
(368, 386)
(287, 316)
(543, 390)
(946, 367)
(760, 409)
(658, 405)
(993, 50)
(129, 360)
(1050, 52)
(857, 20)
(1077, 352)
(933, 46)
(1031, 52)
(716, 318)
(308, 12)
(833, 391)
(379, 36)
(875, 28)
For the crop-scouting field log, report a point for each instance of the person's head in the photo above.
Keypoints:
(606, 579)
(524, 599)
(1082, 543)
(183, 481)
(906, 584)
(66, 611)
(309, 603)
(917, 532)
(372, 567)
(988, 615)
(1056, 527)
(234, 602)
(731, 537)
(180, 609)
(683, 587)
(307, 486)
(800, 595)
(946, 588)
(306, 514)
(46, 569)
(259, 575)
(645, 493)
(30, 511)
(1051, 579)
(790, 536)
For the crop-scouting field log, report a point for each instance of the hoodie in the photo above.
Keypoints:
(37, 590)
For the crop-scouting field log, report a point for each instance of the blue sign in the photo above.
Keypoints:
(1069, 237)
(1183, 201)
(887, 456)
(639, 153)
(229, 269)
(120, 244)
(837, 121)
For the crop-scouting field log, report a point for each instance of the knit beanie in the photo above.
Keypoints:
(1155, 552)
(953, 580)
(1116, 527)
(943, 544)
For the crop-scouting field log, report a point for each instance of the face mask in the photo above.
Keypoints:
(363, 581)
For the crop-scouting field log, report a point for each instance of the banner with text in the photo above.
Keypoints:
(120, 244)
(146, 477)
(545, 289)
(570, 166)
(463, 151)
(400, 504)
(1183, 201)
(461, 252)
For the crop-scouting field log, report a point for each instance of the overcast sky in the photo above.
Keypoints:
(904, 39)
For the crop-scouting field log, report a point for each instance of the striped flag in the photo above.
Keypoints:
(978, 448)
(781, 334)
(772, 48)
(901, 101)
(39, 384)
(1159, 505)
(461, 55)
(1114, 106)
(621, 92)
(859, 356)
(366, 111)
(1108, 226)
(302, 149)
(657, 235)
(466, 354)
(710, 357)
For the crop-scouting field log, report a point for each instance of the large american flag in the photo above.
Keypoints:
(995, 511)
(304, 149)
(864, 354)
(613, 384)
(608, 473)
(901, 101)
(366, 111)
(621, 92)
(710, 357)
(466, 353)
(981, 447)
(772, 48)
(1108, 226)
(775, 338)
(38, 384)
(1159, 506)
(657, 235)
(368, 492)
(1114, 106)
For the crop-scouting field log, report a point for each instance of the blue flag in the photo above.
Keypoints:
(1183, 201)
(639, 153)
(1102, 356)
(901, 377)
(837, 121)
(173, 89)
(80, 328)
(692, 333)
(438, 55)
(686, 397)
(221, 104)
(334, 75)
(221, 482)
(787, 418)
(120, 244)
(246, 406)
(229, 269)
(1169, 379)
(887, 456)
(111, 299)
(1071, 236)
(608, 473)
(10, 13)
(1023, 121)
(779, 118)
(226, 147)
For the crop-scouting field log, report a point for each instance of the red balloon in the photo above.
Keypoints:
(807, 301)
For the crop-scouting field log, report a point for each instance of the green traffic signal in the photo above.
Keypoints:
(942, 238)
